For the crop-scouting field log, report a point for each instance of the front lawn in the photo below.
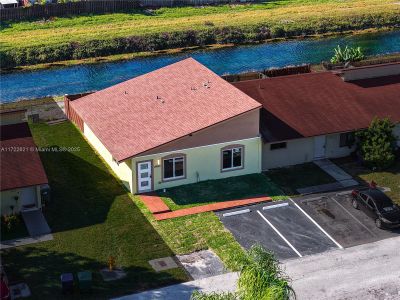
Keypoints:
(92, 217)
(212, 191)
(289, 179)
(388, 178)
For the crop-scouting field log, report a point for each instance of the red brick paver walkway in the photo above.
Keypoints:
(209, 207)
(154, 203)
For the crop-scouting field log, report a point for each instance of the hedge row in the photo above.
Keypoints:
(212, 35)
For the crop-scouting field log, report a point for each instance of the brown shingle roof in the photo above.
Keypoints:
(20, 162)
(153, 109)
(321, 103)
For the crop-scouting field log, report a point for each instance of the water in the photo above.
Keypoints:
(84, 78)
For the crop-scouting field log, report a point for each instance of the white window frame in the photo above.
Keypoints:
(173, 168)
(241, 149)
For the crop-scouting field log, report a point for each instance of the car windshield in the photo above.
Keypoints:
(382, 201)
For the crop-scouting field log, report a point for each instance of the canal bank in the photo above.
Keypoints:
(232, 60)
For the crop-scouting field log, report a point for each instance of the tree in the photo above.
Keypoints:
(377, 144)
(261, 278)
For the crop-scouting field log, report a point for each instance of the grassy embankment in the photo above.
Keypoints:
(25, 43)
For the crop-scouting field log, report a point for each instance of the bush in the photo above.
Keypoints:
(348, 54)
(260, 278)
(10, 222)
(377, 144)
(213, 296)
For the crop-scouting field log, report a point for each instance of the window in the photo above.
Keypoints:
(347, 139)
(278, 146)
(174, 168)
(370, 203)
(232, 158)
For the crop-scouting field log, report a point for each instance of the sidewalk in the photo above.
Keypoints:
(220, 283)
(364, 272)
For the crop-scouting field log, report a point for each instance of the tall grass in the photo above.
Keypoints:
(261, 278)
(289, 14)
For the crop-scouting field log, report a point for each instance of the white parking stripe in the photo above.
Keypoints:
(234, 213)
(351, 215)
(276, 230)
(275, 205)
(316, 224)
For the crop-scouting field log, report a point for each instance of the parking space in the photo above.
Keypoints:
(279, 226)
(348, 226)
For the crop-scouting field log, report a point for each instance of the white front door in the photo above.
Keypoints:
(144, 176)
(319, 146)
(27, 196)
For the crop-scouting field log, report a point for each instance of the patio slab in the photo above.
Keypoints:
(202, 264)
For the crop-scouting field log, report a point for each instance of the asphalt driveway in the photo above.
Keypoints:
(348, 226)
(303, 226)
(279, 226)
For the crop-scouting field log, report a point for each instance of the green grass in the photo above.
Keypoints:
(289, 13)
(92, 217)
(198, 232)
(16, 232)
(213, 191)
(387, 178)
(290, 179)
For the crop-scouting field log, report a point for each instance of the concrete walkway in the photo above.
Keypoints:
(364, 272)
(210, 207)
(183, 291)
(343, 179)
(25, 241)
(35, 222)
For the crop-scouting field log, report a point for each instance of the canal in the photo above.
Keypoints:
(84, 78)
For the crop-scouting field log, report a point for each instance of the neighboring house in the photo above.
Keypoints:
(22, 174)
(183, 123)
(315, 115)
(8, 4)
(177, 125)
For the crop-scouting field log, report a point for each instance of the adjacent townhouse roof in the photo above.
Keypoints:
(20, 162)
(161, 106)
(322, 103)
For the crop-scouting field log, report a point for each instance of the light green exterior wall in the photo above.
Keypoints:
(296, 152)
(204, 161)
(7, 198)
(122, 170)
(333, 148)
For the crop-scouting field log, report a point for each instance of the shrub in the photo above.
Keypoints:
(277, 32)
(213, 296)
(9, 222)
(377, 144)
(260, 278)
(348, 54)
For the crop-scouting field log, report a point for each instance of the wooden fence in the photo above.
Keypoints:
(98, 7)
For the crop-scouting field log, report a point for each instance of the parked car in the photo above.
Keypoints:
(377, 205)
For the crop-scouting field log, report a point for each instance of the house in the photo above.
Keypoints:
(183, 124)
(8, 4)
(315, 115)
(177, 125)
(23, 178)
